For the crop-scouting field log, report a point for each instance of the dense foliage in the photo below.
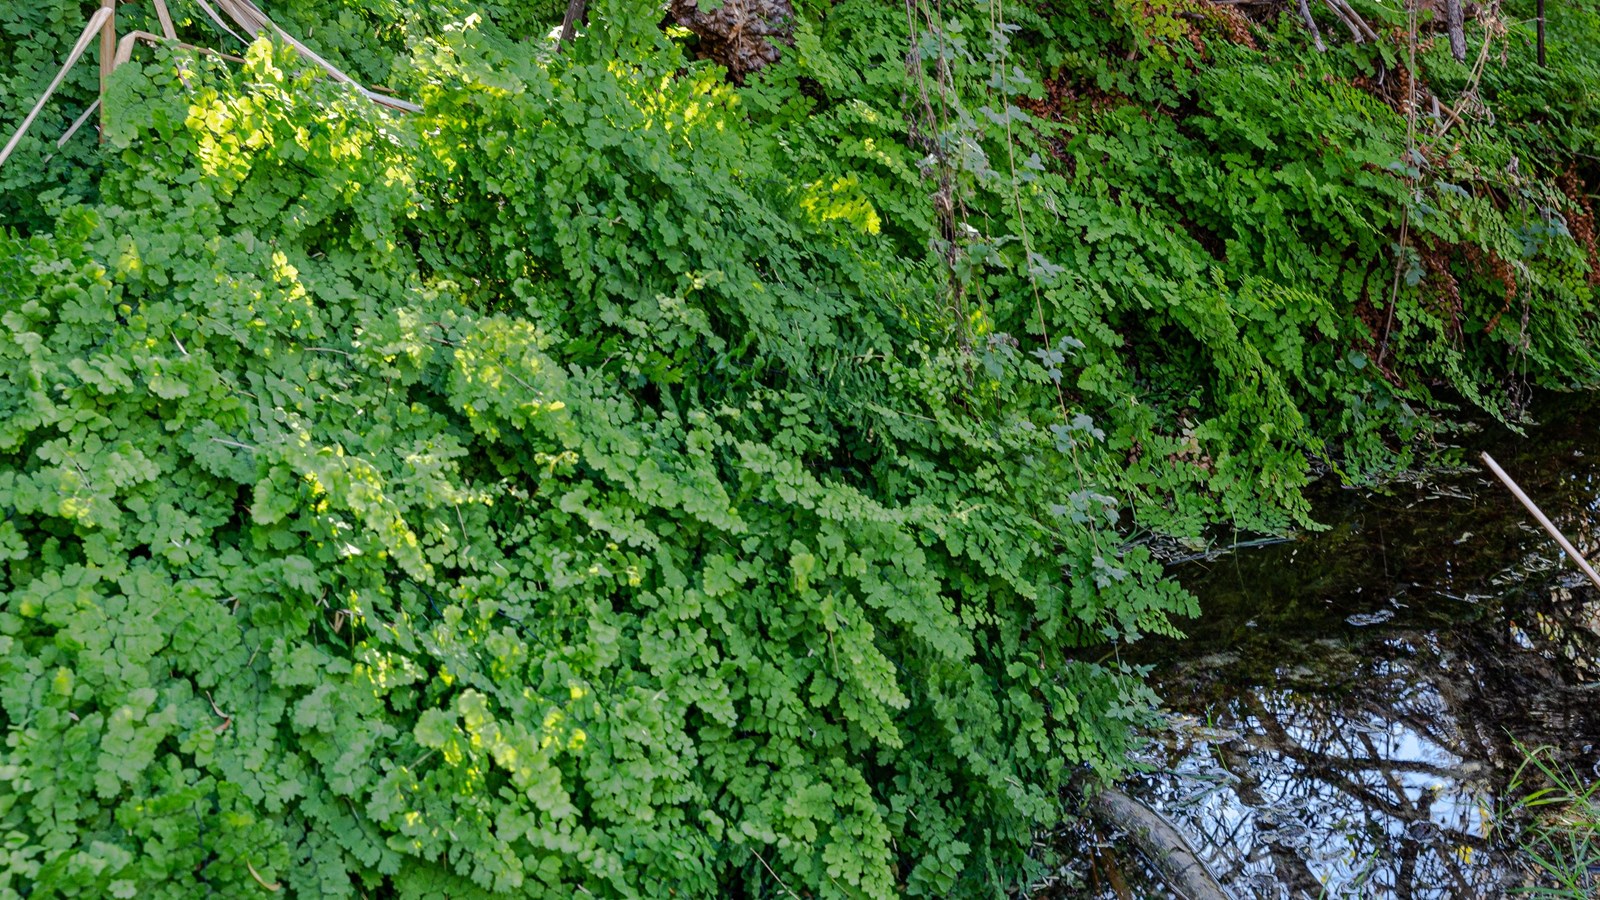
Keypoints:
(614, 480)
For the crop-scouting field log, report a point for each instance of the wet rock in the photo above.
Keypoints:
(1362, 620)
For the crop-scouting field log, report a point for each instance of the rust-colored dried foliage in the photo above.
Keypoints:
(1435, 257)
(1581, 223)
(1059, 97)
(1233, 24)
(1496, 266)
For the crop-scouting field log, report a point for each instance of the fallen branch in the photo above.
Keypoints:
(108, 47)
(1311, 26)
(217, 20)
(166, 20)
(252, 20)
(1360, 31)
(1355, 33)
(90, 30)
(1542, 519)
(1180, 866)
(114, 52)
(125, 46)
(76, 124)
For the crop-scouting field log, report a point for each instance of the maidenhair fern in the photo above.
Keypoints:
(614, 480)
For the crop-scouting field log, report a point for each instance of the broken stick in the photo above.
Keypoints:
(1544, 520)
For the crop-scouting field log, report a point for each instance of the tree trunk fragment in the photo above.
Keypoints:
(1166, 847)
(569, 22)
(1455, 24)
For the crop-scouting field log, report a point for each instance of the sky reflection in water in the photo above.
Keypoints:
(1345, 711)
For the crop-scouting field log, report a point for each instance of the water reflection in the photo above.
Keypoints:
(1345, 714)
(1348, 782)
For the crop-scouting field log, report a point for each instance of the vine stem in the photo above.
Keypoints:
(1540, 12)
(1411, 154)
(948, 204)
(786, 888)
(95, 23)
(108, 57)
(996, 19)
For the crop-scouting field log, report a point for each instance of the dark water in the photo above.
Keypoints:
(1345, 715)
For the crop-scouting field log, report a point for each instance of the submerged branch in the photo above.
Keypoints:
(1180, 866)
